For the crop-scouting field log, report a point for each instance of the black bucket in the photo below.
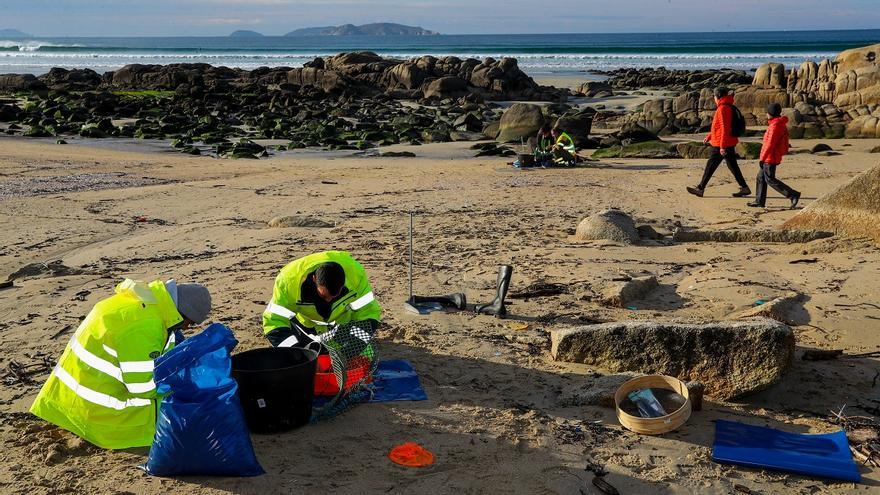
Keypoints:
(276, 386)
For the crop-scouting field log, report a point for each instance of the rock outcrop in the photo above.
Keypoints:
(830, 99)
(852, 210)
(355, 73)
(732, 359)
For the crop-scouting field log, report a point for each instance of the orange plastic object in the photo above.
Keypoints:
(325, 381)
(411, 455)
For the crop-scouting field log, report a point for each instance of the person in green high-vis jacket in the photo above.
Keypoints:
(102, 388)
(315, 293)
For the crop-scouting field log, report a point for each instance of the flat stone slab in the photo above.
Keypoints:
(732, 358)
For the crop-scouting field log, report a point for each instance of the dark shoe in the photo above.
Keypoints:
(743, 192)
(496, 307)
(696, 191)
(794, 200)
(457, 301)
(754, 204)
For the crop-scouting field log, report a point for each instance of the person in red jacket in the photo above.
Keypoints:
(723, 141)
(774, 148)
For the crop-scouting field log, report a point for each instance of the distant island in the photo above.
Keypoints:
(244, 33)
(376, 29)
(14, 33)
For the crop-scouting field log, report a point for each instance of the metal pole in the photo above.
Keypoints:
(410, 257)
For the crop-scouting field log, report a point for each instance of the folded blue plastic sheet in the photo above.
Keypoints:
(397, 380)
(825, 455)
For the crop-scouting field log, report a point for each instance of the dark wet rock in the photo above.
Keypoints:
(694, 150)
(20, 82)
(649, 149)
(578, 125)
(820, 147)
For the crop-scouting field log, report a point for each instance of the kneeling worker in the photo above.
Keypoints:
(317, 291)
(564, 150)
(102, 388)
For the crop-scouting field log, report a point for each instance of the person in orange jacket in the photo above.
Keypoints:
(723, 141)
(774, 148)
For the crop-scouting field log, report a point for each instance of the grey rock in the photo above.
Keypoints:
(612, 225)
(520, 121)
(731, 358)
(620, 294)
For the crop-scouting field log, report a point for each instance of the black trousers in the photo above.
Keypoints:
(767, 176)
(715, 160)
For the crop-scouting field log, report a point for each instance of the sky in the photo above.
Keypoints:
(275, 17)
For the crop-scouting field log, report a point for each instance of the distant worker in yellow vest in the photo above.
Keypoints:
(564, 150)
(314, 293)
(102, 388)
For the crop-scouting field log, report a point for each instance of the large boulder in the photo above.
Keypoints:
(852, 209)
(520, 121)
(446, 87)
(732, 358)
(578, 125)
(20, 82)
(610, 225)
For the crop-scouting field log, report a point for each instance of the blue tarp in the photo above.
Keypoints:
(825, 455)
(393, 380)
(397, 380)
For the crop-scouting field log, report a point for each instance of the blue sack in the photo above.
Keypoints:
(200, 429)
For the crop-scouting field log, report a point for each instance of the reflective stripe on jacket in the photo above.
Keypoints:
(566, 142)
(721, 133)
(357, 304)
(775, 141)
(102, 388)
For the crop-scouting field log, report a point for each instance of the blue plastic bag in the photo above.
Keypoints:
(200, 429)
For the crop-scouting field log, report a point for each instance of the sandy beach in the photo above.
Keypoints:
(501, 415)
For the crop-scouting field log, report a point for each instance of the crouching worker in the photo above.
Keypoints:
(316, 292)
(544, 147)
(102, 388)
(564, 151)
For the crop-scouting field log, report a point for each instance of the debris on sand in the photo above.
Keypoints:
(297, 221)
(53, 268)
(731, 358)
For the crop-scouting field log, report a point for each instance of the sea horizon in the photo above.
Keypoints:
(538, 54)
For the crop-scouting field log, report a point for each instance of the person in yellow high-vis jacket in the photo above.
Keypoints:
(316, 292)
(102, 388)
(564, 150)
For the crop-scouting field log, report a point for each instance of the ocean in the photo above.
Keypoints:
(538, 55)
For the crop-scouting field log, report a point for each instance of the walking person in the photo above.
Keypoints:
(774, 148)
(723, 137)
